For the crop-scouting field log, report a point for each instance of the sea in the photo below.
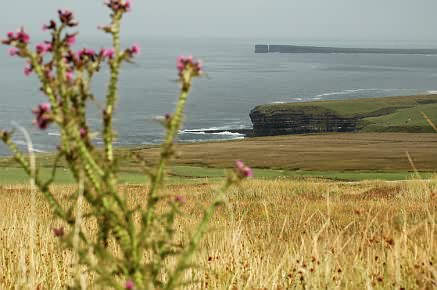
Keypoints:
(236, 81)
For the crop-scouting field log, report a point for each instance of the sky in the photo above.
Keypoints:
(393, 20)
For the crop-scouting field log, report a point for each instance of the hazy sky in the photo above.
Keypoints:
(405, 20)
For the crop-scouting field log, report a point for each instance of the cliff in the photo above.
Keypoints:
(299, 120)
(389, 114)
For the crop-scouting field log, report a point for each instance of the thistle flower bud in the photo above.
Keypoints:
(58, 232)
(43, 48)
(51, 26)
(70, 39)
(108, 52)
(28, 69)
(43, 116)
(20, 37)
(129, 285)
(83, 132)
(180, 199)
(67, 18)
(186, 64)
(13, 51)
(242, 170)
(119, 5)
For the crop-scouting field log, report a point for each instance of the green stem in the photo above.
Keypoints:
(112, 94)
(166, 153)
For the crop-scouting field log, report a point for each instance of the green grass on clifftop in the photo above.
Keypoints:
(388, 114)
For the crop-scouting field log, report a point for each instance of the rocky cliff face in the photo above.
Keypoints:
(299, 120)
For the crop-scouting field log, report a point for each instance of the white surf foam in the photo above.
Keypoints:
(205, 132)
(227, 133)
(23, 143)
(54, 134)
(353, 91)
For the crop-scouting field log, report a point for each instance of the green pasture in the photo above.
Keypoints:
(192, 174)
(388, 114)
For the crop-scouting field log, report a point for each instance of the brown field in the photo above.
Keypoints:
(271, 235)
(336, 151)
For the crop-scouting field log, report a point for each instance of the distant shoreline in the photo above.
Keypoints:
(269, 48)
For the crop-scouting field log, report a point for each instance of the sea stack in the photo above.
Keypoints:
(261, 48)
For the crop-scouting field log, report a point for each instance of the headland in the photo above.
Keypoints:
(274, 48)
(387, 114)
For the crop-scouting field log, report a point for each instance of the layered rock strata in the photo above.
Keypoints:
(300, 120)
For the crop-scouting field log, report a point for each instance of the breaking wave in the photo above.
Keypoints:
(354, 91)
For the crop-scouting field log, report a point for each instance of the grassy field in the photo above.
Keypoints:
(271, 235)
(193, 174)
(289, 228)
(334, 152)
(396, 114)
(341, 156)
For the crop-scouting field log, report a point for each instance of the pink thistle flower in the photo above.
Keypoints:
(87, 52)
(108, 52)
(243, 170)
(43, 48)
(180, 199)
(10, 38)
(127, 5)
(28, 70)
(70, 39)
(135, 49)
(51, 26)
(45, 107)
(130, 285)
(69, 75)
(58, 232)
(67, 18)
(22, 36)
(190, 64)
(119, 5)
(13, 51)
(43, 116)
(83, 132)
(49, 74)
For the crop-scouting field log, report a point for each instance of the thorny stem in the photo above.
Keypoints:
(112, 94)
(166, 153)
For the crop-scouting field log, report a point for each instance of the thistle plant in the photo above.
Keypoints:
(133, 244)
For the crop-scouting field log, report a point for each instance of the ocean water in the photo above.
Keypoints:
(237, 80)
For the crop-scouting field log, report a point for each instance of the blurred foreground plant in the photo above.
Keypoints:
(133, 244)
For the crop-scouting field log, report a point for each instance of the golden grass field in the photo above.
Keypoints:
(271, 235)
(332, 151)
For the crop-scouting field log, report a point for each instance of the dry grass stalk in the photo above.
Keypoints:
(273, 235)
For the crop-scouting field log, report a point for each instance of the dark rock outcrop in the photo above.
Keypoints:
(261, 48)
(299, 120)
